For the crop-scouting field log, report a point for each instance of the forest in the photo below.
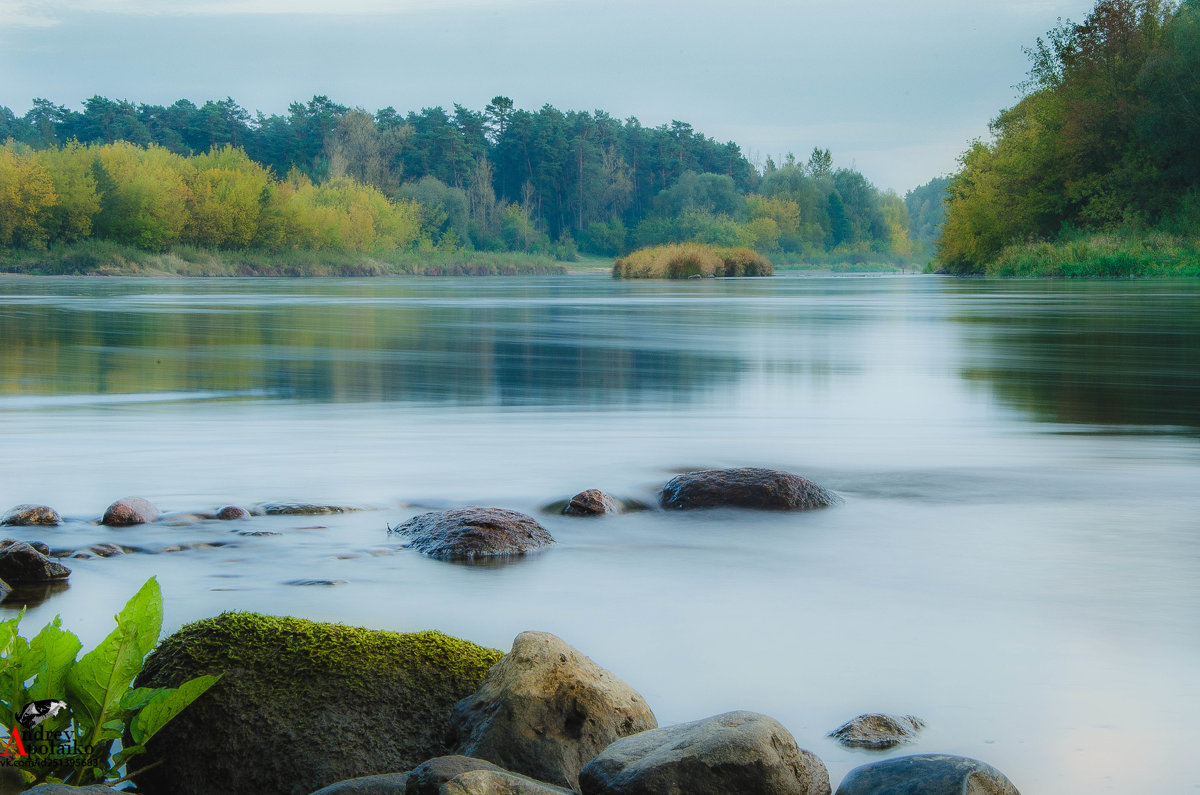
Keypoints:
(1096, 170)
(327, 177)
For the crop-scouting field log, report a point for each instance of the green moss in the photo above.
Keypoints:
(255, 642)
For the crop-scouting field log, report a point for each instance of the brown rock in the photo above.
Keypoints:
(592, 502)
(747, 487)
(877, 731)
(473, 532)
(232, 512)
(130, 511)
(25, 515)
(545, 710)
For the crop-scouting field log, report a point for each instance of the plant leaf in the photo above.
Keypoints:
(53, 650)
(102, 676)
(164, 706)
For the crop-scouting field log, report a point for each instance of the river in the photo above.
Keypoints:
(1017, 561)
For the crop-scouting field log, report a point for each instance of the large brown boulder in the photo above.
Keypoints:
(301, 704)
(474, 533)
(546, 710)
(130, 511)
(26, 515)
(927, 774)
(741, 752)
(746, 487)
(21, 563)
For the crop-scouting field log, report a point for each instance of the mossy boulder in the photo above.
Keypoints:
(303, 704)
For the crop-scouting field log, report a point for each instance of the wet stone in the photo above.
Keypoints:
(21, 563)
(230, 512)
(130, 511)
(878, 731)
(27, 515)
(592, 502)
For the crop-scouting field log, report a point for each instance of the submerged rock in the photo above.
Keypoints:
(26, 515)
(741, 752)
(302, 509)
(474, 532)
(303, 704)
(545, 710)
(230, 512)
(21, 563)
(746, 487)
(927, 774)
(592, 502)
(130, 511)
(878, 731)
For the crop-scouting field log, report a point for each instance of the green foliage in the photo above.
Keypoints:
(1104, 140)
(101, 703)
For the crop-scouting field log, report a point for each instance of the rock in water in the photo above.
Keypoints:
(474, 532)
(546, 710)
(230, 512)
(25, 515)
(303, 704)
(927, 774)
(592, 502)
(130, 511)
(741, 752)
(748, 487)
(21, 563)
(877, 731)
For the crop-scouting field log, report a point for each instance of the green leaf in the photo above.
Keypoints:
(53, 649)
(135, 699)
(102, 676)
(165, 706)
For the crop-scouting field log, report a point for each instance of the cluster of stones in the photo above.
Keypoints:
(380, 712)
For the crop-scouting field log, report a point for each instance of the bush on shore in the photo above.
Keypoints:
(685, 260)
(1105, 256)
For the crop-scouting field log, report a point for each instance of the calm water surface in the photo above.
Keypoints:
(1017, 561)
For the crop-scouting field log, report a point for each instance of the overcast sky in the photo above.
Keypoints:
(895, 89)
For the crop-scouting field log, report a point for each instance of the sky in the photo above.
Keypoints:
(895, 89)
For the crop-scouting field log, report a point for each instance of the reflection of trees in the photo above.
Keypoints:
(439, 351)
(1123, 356)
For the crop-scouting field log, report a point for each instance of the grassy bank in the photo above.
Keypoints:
(1101, 256)
(104, 258)
(688, 260)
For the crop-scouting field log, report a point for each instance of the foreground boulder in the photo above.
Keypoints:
(26, 515)
(474, 532)
(382, 784)
(592, 502)
(747, 487)
(927, 774)
(741, 752)
(130, 511)
(546, 710)
(302, 704)
(877, 731)
(21, 563)
(498, 782)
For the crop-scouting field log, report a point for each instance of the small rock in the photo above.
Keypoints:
(230, 512)
(25, 515)
(545, 710)
(382, 784)
(428, 777)
(592, 502)
(301, 509)
(314, 582)
(40, 547)
(474, 532)
(258, 533)
(877, 731)
(21, 563)
(747, 487)
(741, 752)
(130, 511)
(927, 774)
(498, 782)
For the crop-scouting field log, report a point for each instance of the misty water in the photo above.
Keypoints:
(1017, 560)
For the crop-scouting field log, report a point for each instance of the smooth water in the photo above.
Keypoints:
(1017, 561)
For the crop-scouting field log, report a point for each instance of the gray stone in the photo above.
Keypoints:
(877, 731)
(21, 563)
(545, 710)
(473, 532)
(25, 515)
(230, 512)
(927, 774)
(428, 777)
(498, 782)
(748, 487)
(302, 704)
(302, 509)
(382, 784)
(741, 752)
(130, 511)
(592, 502)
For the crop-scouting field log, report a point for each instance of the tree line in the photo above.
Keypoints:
(500, 179)
(1106, 140)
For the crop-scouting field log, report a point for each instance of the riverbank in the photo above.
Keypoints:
(1139, 255)
(105, 258)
